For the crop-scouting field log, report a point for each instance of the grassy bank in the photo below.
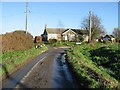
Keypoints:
(65, 43)
(60, 43)
(86, 61)
(11, 61)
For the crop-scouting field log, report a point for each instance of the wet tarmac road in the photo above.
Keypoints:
(49, 70)
(62, 77)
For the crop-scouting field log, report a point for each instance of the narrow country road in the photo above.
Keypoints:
(48, 70)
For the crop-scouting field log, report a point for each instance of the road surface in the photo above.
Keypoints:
(48, 70)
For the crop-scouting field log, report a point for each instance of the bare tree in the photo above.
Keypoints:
(116, 34)
(60, 26)
(96, 28)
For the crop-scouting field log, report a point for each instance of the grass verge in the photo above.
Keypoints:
(12, 61)
(88, 73)
(61, 43)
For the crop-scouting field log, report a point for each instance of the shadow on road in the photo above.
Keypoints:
(5, 70)
(11, 79)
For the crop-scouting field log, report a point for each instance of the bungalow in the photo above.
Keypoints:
(109, 37)
(63, 34)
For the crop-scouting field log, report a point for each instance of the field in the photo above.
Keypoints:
(95, 65)
(11, 61)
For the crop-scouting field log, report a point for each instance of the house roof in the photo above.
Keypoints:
(110, 36)
(62, 30)
(55, 30)
(79, 31)
(67, 30)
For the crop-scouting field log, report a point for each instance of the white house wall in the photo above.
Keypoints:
(69, 37)
(53, 36)
(65, 37)
(85, 38)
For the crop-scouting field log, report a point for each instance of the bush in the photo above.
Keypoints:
(106, 41)
(52, 41)
(80, 38)
(65, 43)
(17, 40)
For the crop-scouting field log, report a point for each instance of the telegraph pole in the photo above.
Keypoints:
(90, 23)
(26, 16)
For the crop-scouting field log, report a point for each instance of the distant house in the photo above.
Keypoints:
(109, 37)
(68, 35)
(52, 33)
(72, 34)
(63, 34)
(83, 33)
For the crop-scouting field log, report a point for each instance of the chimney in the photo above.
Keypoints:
(45, 26)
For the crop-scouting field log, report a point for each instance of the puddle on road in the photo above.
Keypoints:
(62, 77)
